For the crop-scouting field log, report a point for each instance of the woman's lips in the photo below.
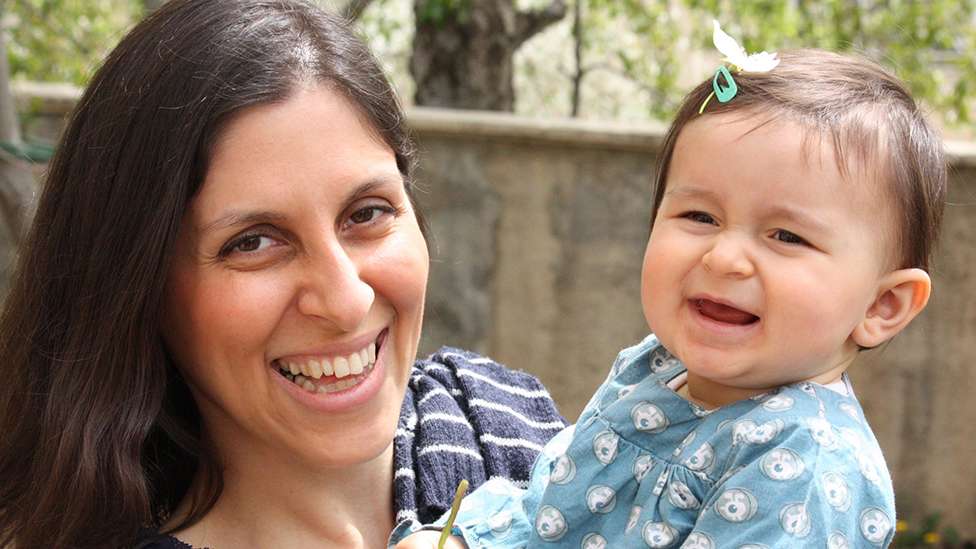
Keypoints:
(332, 374)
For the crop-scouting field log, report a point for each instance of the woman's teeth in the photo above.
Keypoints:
(302, 374)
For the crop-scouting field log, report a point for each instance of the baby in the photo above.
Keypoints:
(793, 220)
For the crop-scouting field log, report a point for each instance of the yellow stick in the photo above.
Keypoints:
(446, 532)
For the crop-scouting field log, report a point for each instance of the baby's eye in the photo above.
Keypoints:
(788, 237)
(700, 217)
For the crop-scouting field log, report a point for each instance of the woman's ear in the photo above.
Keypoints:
(902, 294)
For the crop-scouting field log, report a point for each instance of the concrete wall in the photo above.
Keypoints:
(538, 235)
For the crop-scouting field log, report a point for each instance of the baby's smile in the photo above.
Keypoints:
(720, 312)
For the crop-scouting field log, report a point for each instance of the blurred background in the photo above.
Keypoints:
(539, 124)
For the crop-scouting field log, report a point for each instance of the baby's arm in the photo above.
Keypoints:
(427, 539)
(494, 515)
(498, 514)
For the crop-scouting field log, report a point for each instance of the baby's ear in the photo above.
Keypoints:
(902, 294)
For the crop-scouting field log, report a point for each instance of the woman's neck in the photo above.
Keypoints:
(269, 503)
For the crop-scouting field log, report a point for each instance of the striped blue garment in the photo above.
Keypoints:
(465, 417)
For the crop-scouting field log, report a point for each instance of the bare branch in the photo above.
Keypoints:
(530, 23)
(355, 8)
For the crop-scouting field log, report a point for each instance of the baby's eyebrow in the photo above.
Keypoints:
(798, 216)
(691, 192)
(777, 211)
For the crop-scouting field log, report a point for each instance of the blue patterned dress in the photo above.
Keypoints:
(643, 467)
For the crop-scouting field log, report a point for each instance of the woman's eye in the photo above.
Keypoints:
(248, 244)
(369, 214)
(788, 237)
(700, 217)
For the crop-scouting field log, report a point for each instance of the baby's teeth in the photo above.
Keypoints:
(341, 367)
(294, 369)
(314, 369)
(355, 364)
(371, 351)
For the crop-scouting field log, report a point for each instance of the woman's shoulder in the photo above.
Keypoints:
(150, 539)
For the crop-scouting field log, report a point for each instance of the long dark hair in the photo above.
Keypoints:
(98, 433)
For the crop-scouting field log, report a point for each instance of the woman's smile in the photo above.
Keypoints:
(297, 292)
(336, 381)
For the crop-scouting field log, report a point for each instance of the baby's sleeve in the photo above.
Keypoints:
(798, 493)
(499, 514)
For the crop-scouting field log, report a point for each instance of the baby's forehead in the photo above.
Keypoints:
(809, 165)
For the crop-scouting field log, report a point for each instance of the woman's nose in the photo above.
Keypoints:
(729, 257)
(334, 289)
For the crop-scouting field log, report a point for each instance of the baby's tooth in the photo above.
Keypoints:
(314, 369)
(372, 352)
(293, 368)
(327, 367)
(341, 366)
(355, 364)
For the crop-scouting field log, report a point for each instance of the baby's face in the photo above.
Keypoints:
(763, 258)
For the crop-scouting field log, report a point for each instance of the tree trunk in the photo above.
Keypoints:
(578, 57)
(463, 50)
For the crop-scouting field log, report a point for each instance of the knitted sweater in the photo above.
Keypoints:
(464, 416)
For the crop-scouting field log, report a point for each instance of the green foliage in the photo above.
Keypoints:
(639, 56)
(931, 44)
(439, 11)
(63, 40)
(927, 533)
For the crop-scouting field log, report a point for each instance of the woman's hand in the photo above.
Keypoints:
(428, 540)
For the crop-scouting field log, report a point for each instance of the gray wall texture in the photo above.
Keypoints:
(538, 234)
(539, 231)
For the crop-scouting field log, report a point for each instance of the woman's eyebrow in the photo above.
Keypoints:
(372, 185)
(235, 218)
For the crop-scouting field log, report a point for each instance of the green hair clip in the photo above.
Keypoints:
(741, 61)
(724, 93)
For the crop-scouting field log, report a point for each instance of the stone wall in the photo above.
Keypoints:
(539, 231)
(538, 235)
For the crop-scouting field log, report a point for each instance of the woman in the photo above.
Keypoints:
(209, 339)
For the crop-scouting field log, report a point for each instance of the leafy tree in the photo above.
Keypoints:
(625, 58)
(64, 40)
(931, 44)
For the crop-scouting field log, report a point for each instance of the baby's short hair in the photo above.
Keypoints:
(874, 126)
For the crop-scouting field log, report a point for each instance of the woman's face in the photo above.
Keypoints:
(294, 303)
